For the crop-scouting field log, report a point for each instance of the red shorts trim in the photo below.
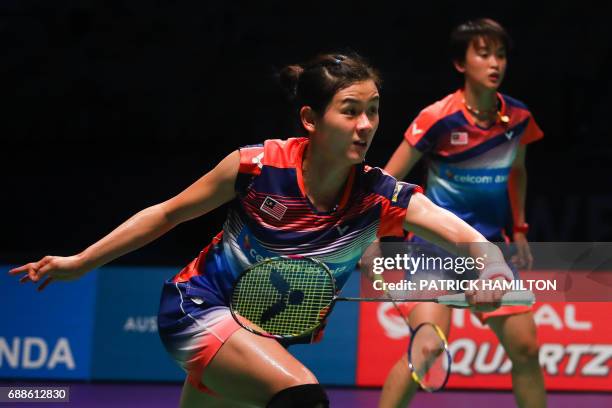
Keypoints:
(193, 347)
(502, 311)
(208, 348)
(407, 307)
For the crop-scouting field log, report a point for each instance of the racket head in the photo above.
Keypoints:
(429, 358)
(283, 297)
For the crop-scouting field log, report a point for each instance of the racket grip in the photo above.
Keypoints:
(513, 298)
(518, 298)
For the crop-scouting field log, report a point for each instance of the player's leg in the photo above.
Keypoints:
(399, 388)
(517, 333)
(236, 366)
(255, 370)
(228, 362)
(191, 396)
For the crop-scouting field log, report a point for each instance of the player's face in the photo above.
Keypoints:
(350, 121)
(485, 63)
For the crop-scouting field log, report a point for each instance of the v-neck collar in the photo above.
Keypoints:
(460, 95)
(348, 186)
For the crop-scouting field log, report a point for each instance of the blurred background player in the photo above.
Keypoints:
(475, 141)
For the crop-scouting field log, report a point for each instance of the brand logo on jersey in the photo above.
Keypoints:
(415, 130)
(398, 188)
(274, 208)
(509, 134)
(257, 160)
(459, 138)
(341, 230)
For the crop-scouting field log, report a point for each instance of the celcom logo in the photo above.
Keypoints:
(33, 353)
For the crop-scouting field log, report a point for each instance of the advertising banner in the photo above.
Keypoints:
(575, 347)
(126, 342)
(46, 334)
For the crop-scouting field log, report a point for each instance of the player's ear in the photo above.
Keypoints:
(459, 66)
(308, 117)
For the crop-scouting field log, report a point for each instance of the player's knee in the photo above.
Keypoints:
(524, 352)
(300, 396)
(431, 349)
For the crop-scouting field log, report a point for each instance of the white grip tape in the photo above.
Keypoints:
(514, 298)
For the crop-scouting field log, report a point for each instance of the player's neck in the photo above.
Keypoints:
(324, 179)
(480, 101)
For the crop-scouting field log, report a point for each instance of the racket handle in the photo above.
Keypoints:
(513, 298)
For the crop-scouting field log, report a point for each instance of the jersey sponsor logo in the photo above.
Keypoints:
(274, 208)
(459, 138)
(475, 176)
(257, 160)
(415, 130)
(398, 188)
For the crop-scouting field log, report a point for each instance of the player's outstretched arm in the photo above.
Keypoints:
(403, 160)
(517, 191)
(209, 192)
(443, 228)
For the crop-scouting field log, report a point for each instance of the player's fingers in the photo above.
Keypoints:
(45, 269)
(23, 268)
(529, 260)
(470, 297)
(33, 272)
(45, 284)
(24, 279)
(519, 258)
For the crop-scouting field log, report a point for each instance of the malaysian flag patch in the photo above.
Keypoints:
(459, 138)
(274, 208)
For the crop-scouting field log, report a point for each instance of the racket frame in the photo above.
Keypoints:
(446, 350)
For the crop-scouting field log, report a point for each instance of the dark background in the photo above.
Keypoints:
(112, 106)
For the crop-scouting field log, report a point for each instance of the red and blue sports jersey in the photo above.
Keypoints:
(273, 216)
(469, 165)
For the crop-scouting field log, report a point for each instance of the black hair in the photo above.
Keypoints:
(315, 82)
(466, 33)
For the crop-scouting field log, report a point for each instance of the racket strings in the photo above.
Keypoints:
(290, 292)
(429, 358)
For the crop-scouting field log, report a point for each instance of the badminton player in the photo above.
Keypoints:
(308, 195)
(475, 141)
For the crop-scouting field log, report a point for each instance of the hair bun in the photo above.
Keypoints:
(289, 78)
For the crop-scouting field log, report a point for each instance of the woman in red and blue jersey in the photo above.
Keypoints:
(475, 141)
(311, 196)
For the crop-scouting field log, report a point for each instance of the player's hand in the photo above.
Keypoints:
(522, 259)
(51, 268)
(485, 300)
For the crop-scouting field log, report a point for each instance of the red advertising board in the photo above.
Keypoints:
(575, 347)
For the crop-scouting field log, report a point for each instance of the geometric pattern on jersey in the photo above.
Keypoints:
(468, 166)
(272, 216)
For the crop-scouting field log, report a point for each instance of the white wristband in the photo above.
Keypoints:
(496, 270)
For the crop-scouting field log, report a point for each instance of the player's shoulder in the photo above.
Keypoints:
(375, 180)
(283, 153)
(514, 103)
(442, 108)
